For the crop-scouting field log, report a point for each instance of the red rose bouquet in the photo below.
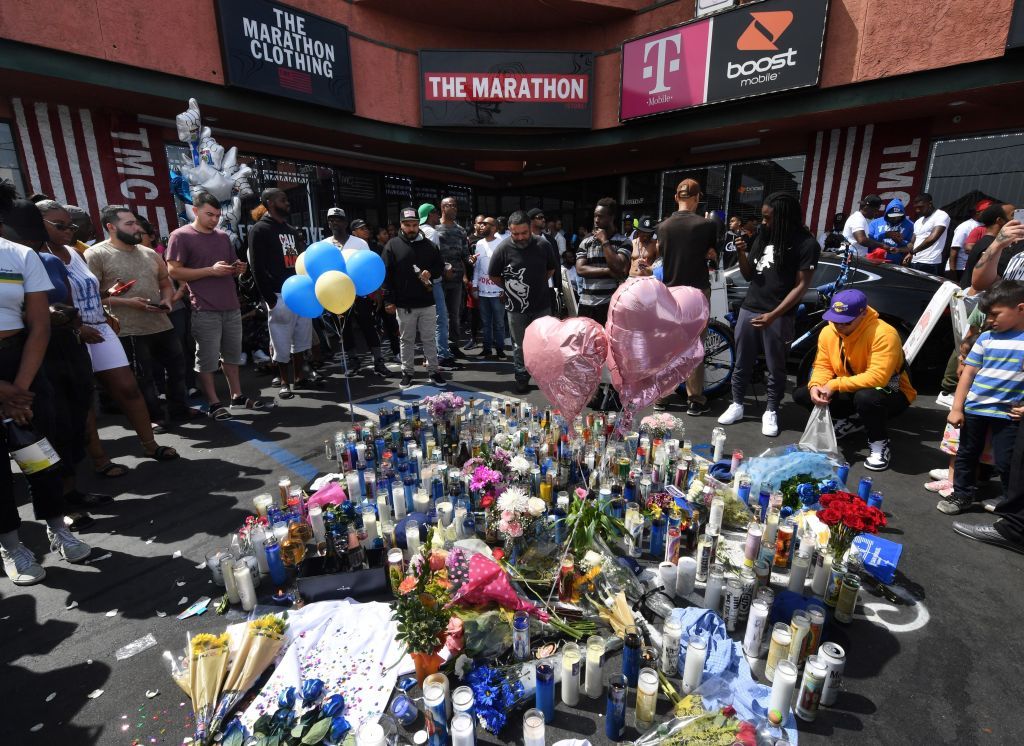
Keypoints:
(846, 516)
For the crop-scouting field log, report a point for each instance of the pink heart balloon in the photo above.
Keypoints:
(565, 359)
(653, 338)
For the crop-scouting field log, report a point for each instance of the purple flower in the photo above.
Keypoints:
(484, 477)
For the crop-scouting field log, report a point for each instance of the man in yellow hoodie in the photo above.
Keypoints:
(859, 374)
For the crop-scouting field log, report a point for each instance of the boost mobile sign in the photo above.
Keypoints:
(758, 48)
(283, 51)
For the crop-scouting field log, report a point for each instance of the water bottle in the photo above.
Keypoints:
(770, 731)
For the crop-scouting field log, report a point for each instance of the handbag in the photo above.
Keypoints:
(819, 435)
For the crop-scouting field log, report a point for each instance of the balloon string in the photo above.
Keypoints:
(344, 362)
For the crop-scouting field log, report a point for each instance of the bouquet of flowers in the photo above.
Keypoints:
(440, 404)
(847, 516)
(488, 481)
(514, 513)
(207, 665)
(494, 695)
(322, 722)
(660, 425)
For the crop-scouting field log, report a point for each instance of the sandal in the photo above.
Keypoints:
(111, 470)
(162, 453)
(243, 401)
(218, 411)
(285, 393)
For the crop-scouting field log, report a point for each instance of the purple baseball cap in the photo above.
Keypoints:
(846, 306)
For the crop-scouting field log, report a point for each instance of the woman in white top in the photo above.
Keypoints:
(26, 397)
(109, 362)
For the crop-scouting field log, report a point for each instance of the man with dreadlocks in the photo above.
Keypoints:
(779, 268)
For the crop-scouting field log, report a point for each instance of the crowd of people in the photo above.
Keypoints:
(154, 321)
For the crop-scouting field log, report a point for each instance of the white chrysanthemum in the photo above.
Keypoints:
(514, 499)
(520, 465)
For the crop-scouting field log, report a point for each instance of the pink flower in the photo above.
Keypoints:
(515, 529)
(503, 526)
(507, 515)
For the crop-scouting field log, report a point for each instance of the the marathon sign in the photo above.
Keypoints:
(282, 51)
(760, 48)
(505, 89)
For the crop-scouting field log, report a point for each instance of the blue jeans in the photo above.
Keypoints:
(972, 444)
(492, 318)
(442, 321)
(932, 269)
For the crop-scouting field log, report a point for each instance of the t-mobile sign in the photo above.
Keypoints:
(759, 48)
(505, 89)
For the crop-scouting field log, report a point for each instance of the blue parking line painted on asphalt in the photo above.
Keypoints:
(284, 457)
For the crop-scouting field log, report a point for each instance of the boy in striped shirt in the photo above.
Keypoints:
(990, 395)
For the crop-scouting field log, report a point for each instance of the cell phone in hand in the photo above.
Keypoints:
(151, 304)
(120, 288)
(1018, 214)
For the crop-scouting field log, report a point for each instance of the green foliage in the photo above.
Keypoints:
(586, 520)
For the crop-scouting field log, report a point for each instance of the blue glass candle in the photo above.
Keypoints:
(615, 714)
(843, 472)
(545, 695)
(631, 655)
(409, 486)
(658, 536)
(361, 471)
(864, 488)
(274, 564)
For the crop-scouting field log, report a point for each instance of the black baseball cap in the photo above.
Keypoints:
(357, 224)
(409, 213)
(647, 224)
(535, 213)
(872, 200)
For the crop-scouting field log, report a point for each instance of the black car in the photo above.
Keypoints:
(899, 294)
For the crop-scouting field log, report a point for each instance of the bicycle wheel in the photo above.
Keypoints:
(719, 359)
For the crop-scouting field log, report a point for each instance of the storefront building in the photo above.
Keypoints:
(376, 104)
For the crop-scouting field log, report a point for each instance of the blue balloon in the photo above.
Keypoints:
(366, 270)
(299, 294)
(321, 257)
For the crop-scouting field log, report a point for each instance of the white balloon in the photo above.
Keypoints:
(187, 123)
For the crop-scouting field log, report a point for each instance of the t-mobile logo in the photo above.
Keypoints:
(661, 54)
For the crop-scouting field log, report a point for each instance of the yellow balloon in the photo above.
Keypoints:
(335, 291)
(300, 264)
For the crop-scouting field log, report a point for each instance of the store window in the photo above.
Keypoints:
(965, 170)
(711, 178)
(641, 195)
(751, 182)
(10, 169)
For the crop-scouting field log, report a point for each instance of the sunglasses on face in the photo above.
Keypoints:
(63, 226)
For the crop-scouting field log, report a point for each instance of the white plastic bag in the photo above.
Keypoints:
(819, 434)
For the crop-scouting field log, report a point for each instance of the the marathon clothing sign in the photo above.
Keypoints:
(763, 47)
(280, 50)
(505, 89)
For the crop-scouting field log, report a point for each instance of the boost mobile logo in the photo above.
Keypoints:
(761, 35)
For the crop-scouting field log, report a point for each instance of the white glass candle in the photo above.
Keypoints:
(316, 522)
(821, 576)
(798, 573)
(258, 536)
(354, 492)
(670, 635)
(571, 674)
(361, 454)
(262, 503)
(398, 494)
(412, 538)
(715, 517)
(227, 568)
(646, 698)
(533, 728)
(444, 513)
(460, 521)
(369, 524)
(421, 502)
(370, 734)
(693, 667)
(593, 684)
(245, 586)
(686, 575)
(782, 687)
(667, 571)
(713, 592)
(439, 679)
(463, 730)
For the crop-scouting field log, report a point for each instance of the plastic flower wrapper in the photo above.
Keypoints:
(602, 575)
(263, 639)
(489, 583)
(486, 634)
(496, 691)
(208, 663)
(779, 464)
(711, 728)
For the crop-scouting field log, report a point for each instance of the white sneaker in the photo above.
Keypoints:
(21, 566)
(770, 423)
(260, 357)
(732, 415)
(878, 459)
(244, 360)
(938, 474)
(944, 400)
(67, 545)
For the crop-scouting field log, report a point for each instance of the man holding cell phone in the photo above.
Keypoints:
(146, 332)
